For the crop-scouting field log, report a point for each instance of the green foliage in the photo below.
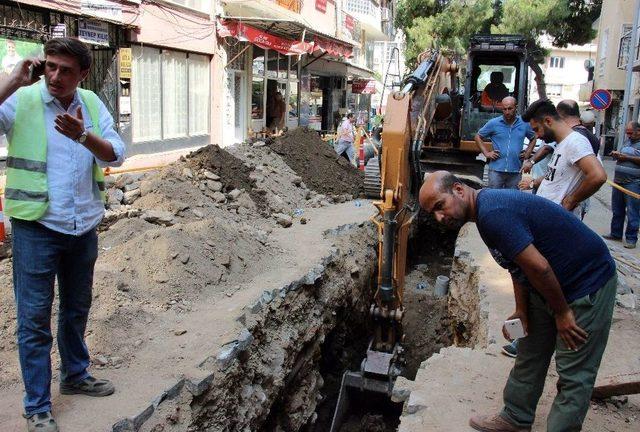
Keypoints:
(450, 23)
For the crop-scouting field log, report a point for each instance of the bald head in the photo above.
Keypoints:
(633, 131)
(447, 198)
(568, 109)
(509, 105)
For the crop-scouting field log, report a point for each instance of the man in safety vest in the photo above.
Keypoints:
(59, 138)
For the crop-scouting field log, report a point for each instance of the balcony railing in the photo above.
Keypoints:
(364, 8)
(292, 5)
(626, 47)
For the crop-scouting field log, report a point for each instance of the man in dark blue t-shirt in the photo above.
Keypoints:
(564, 281)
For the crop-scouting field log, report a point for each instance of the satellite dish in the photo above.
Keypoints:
(589, 64)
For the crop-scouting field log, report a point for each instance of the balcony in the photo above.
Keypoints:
(370, 15)
(626, 49)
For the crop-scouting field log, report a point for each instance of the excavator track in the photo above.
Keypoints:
(372, 179)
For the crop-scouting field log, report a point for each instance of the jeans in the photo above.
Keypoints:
(577, 370)
(503, 180)
(39, 255)
(624, 205)
(346, 146)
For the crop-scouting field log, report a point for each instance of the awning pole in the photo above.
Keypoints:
(237, 55)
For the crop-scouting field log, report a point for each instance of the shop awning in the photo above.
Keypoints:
(286, 37)
(363, 86)
(263, 39)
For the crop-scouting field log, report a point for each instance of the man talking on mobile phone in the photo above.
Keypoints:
(59, 138)
(564, 282)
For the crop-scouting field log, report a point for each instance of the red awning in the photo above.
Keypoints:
(332, 48)
(363, 86)
(263, 39)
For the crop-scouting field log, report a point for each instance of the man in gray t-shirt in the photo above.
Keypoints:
(627, 175)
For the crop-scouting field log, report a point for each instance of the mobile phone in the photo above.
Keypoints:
(514, 328)
(37, 71)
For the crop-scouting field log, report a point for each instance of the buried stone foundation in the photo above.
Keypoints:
(284, 370)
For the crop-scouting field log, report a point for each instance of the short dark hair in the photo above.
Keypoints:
(568, 108)
(447, 181)
(540, 109)
(635, 125)
(349, 115)
(71, 47)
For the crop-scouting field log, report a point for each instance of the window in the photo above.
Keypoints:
(257, 98)
(146, 90)
(174, 90)
(169, 94)
(201, 5)
(554, 89)
(198, 95)
(556, 62)
(292, 106)
(504, 74)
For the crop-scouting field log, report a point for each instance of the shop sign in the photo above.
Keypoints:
(349, 22)
(363, 86)
(332, 48)
(263, 39)
(59, 30)
(321, 5)
(106, 9)
(124, 55)
(125, 105)
(93, 32)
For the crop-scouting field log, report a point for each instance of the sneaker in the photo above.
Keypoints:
(41, 422)
(89, 386)
(628, 245)
(510, 350)
(610, 237)
(495, 423)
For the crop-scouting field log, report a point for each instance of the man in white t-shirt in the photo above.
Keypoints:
(574, 173)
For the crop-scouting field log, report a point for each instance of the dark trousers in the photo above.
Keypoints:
(39, 255)
(577, 370)
(625, 206)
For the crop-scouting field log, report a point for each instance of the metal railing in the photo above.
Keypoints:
(366, 8)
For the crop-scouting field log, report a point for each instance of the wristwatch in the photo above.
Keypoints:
(531, 184)
(83, 137)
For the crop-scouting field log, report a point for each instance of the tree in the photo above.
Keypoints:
(449, 24)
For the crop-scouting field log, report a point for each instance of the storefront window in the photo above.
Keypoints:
(292, 106)
(170, 94)
(146, 89)
(258, 61)
(272, 64)
(174, 89)
(293, 68)
(257, 98)
(198, 94)
(283, 66)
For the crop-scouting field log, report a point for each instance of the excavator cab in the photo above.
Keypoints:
(496, 68)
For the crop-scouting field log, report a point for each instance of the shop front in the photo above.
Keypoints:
(268, 87)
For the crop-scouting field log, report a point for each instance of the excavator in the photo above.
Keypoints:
(429, 124)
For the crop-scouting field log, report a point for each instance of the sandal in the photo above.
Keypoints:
(41, 422)
(89, 386)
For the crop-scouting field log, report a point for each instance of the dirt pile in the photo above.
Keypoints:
(183, 236)
(317, 163)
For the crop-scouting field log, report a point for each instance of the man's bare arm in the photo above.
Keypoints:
(543, 279)
(594, 178)
(492, 155)
(19, 77)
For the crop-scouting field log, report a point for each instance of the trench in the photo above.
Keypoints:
(289, 376)
(426, 325)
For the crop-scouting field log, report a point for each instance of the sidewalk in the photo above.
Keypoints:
(458, 382)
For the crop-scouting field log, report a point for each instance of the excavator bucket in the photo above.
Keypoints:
(369, 389)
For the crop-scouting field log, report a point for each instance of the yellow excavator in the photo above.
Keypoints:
(429, 124)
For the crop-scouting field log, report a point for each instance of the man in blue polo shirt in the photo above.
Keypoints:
(507, 134)
(564, 282)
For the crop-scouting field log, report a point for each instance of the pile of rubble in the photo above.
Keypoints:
(185, 234)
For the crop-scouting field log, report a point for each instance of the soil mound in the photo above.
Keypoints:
(317, 163)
